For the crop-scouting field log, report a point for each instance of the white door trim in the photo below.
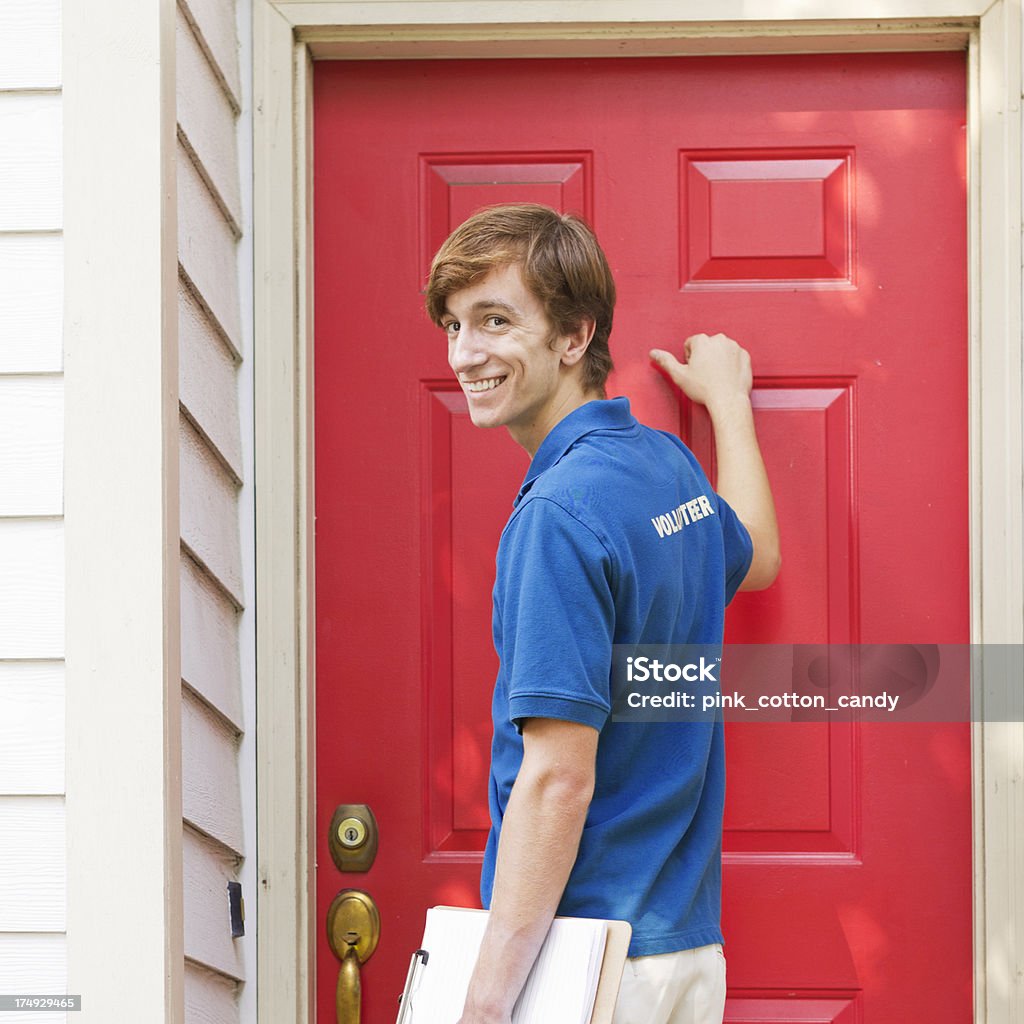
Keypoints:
(125, 917)
(289, 34)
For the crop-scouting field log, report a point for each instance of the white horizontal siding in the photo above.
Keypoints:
(211, 799)
(208, 379)
(210, 998)
(207, 249)
(34, 964)
(30, 161)
(32, 889)
(29, 46)
(32, 813)
(207, 869)
(31, 728)
(31, 588)
(31, 445)
(207, 120)
(31, 297)
(213, 22)
(209, 642)
(209, 511)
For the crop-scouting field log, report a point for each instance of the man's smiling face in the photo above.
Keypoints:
(515, 371)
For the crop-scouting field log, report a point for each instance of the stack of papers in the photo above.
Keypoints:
(559, 990)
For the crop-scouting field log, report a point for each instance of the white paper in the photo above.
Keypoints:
(559, 990)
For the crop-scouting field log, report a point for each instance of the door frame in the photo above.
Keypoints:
(289, 35)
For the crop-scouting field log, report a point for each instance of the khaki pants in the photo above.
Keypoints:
(687, 987)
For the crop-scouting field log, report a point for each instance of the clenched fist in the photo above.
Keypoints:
(716, 370)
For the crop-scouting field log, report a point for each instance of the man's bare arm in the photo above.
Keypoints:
(717, 374)
(540, 836)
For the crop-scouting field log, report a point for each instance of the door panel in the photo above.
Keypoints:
(812, 207)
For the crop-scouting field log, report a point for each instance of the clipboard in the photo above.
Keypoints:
(616, 948)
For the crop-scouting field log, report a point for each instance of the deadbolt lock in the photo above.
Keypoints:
(352, 833)
(353, 837)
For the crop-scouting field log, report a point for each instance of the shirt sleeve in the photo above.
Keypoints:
(739, 548)
(557, 617)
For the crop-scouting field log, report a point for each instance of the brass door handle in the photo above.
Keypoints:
(353, 930)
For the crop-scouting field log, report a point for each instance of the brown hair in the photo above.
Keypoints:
(562, 264)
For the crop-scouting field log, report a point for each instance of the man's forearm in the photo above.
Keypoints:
(540, 836)
(743, 482)
(717, 374)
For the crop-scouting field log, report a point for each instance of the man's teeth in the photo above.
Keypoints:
(482, 385)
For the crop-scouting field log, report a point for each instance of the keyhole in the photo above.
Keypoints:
(353, 837)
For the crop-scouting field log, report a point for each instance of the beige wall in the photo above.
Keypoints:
(214, 503)
(159, 510)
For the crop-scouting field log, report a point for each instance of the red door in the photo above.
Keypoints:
(812, 207)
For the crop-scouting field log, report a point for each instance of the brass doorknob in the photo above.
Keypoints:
(353, 930)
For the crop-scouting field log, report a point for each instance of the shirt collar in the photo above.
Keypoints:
(598, 414)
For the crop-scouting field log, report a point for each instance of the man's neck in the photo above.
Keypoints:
(531, 437)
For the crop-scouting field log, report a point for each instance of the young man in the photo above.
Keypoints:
(594, 818)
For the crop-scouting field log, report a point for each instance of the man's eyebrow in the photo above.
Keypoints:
(482, 304)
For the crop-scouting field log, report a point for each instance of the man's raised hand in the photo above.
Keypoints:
(716, 370)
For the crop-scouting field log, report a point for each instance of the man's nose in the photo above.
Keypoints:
(466, 351)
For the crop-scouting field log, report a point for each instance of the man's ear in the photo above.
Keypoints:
(573, 345)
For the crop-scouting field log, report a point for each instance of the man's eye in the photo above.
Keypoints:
(497, 321)
(452, 327)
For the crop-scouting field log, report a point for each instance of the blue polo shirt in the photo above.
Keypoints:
(616, 537)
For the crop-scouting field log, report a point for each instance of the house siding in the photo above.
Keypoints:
(32, 808)
(215, 421)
